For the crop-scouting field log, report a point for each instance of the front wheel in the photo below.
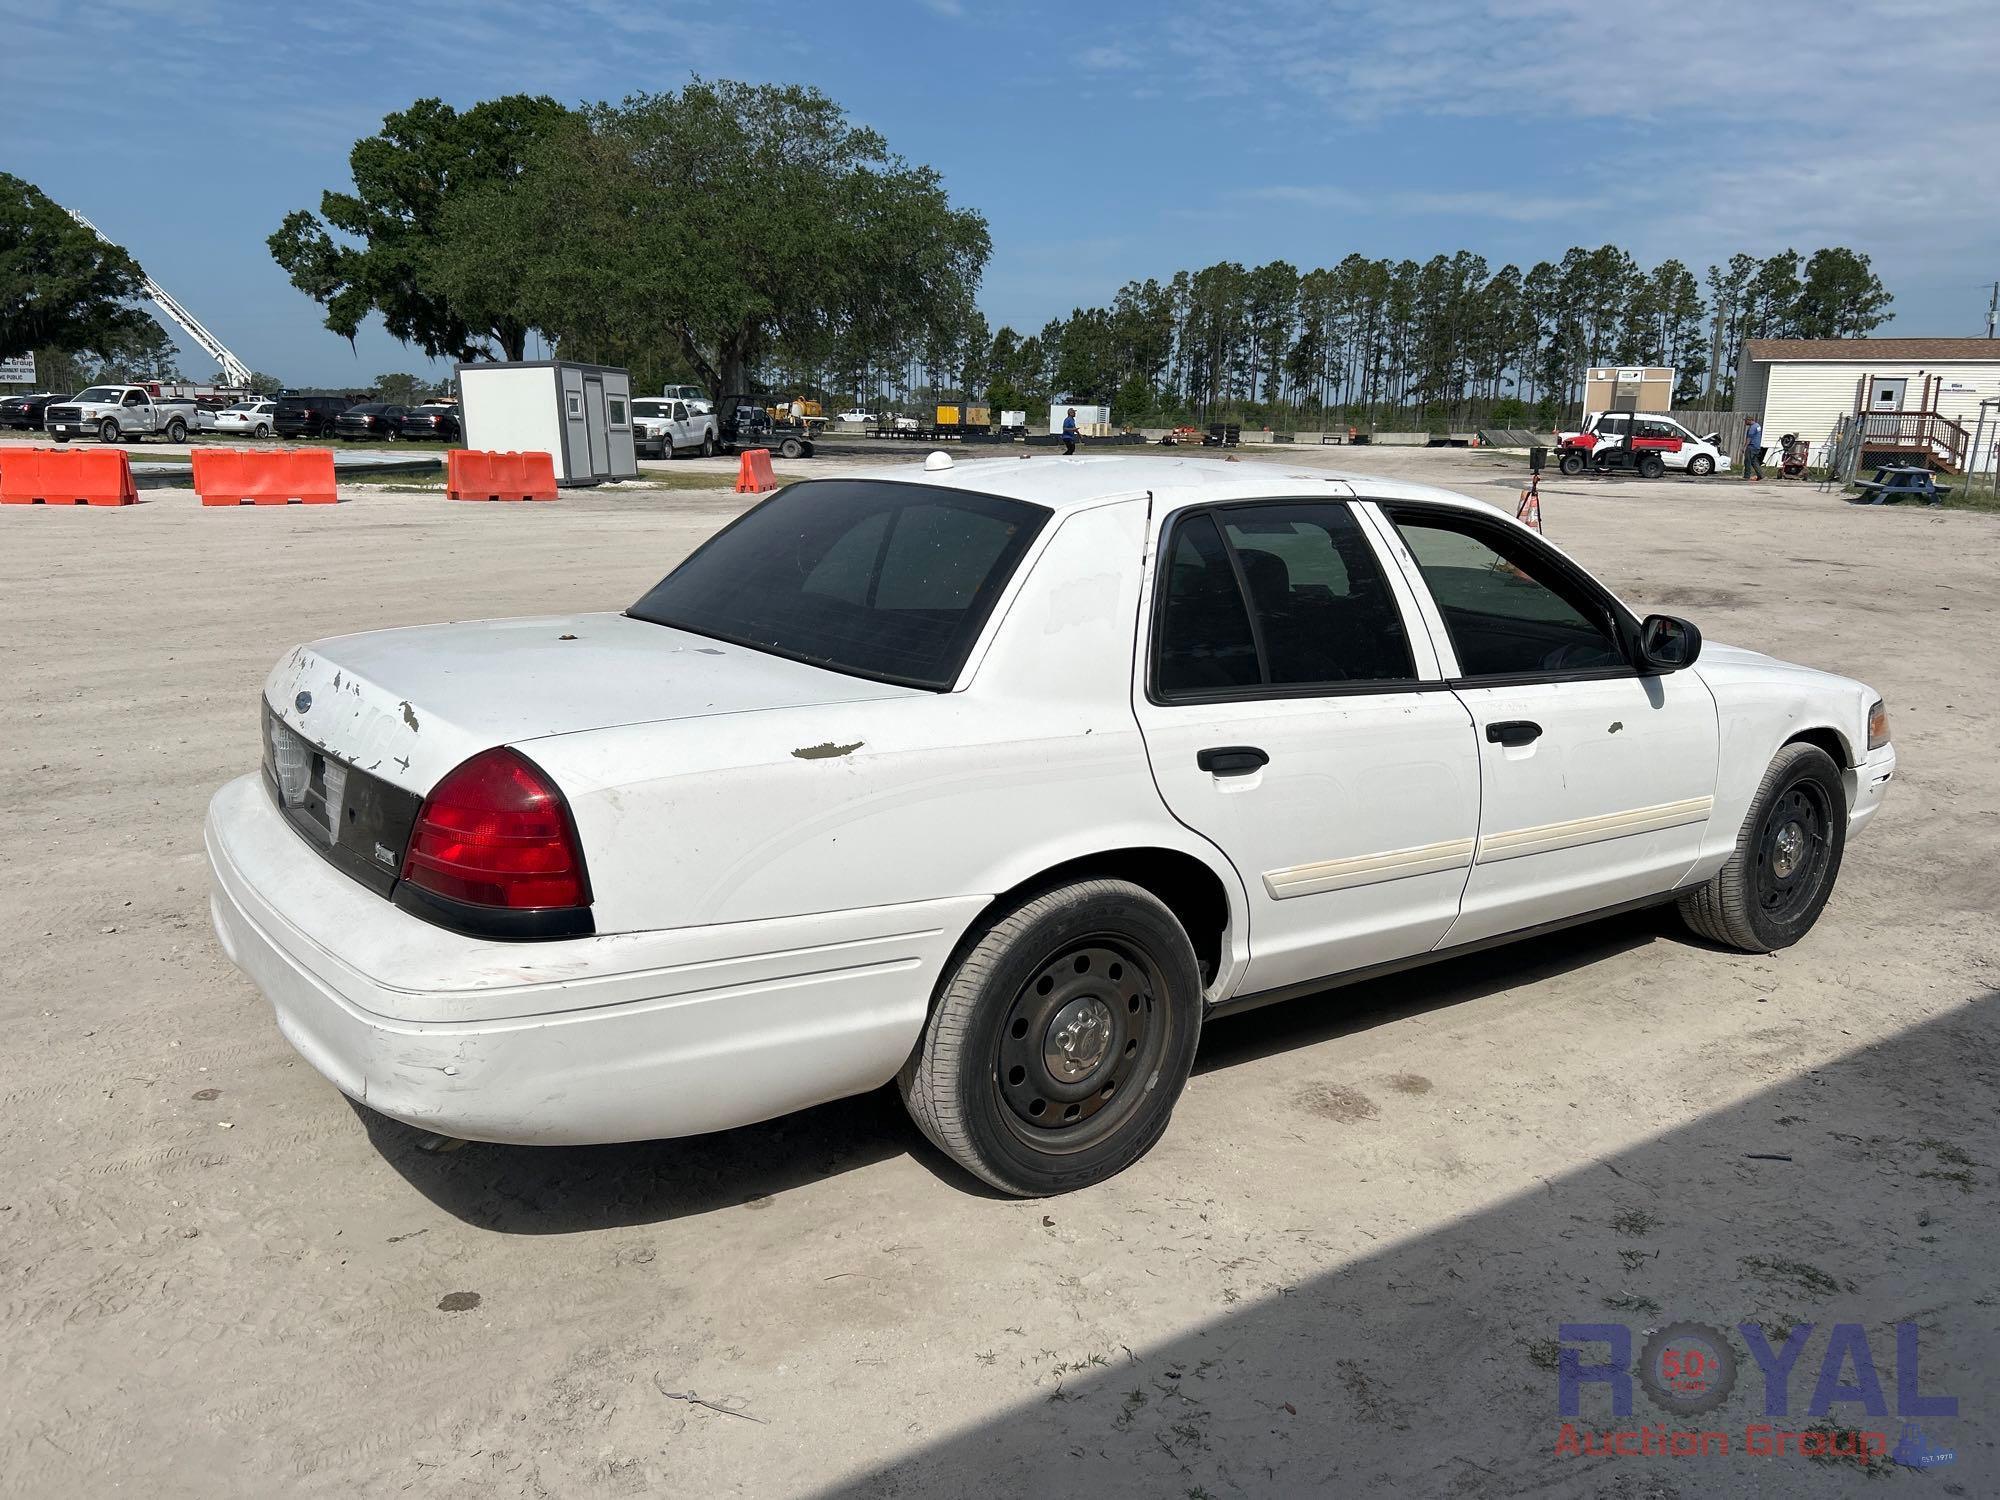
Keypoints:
(1786, 860)
(1701, 466)
(107, 431)
(1571, 463)
(1060, 1040)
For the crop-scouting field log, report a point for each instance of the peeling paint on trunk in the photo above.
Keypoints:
(409, 715)
(827, 751)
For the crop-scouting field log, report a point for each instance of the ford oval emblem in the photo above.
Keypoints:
(303, 702)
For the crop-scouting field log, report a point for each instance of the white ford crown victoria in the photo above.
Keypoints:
(995, 778)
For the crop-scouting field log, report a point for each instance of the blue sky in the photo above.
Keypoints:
(1102, 142)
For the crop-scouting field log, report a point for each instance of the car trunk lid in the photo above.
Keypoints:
(406, 706)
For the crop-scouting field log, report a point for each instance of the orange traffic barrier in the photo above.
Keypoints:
(234, 476)
(753, 475)
(66, 476)
(475, 474)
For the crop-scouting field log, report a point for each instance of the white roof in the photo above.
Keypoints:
(1087, 479)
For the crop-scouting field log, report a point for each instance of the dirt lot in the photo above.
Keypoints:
(1343, 1270)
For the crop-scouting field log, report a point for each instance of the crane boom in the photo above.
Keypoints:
(234, 372)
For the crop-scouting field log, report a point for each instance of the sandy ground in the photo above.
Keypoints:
(1342, 1271)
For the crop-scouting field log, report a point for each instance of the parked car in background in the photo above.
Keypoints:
(997, 780)
(120, 413)
(247, 419)
(661, 428)
(696, 398)
(372, 419)
(858, 418)
(1655, 433)
(433, 422)
(309, 415)
(28, 411)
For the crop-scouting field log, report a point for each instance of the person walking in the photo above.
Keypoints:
(1753, 449)
(1069, 432)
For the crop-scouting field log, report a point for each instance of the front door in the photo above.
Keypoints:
(1596, 782)
(596, 423)
(1294, 715)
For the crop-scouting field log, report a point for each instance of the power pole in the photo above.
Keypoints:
(1993, 311)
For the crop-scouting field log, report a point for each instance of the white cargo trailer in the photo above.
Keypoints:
(580, 415)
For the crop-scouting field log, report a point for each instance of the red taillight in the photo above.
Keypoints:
(496, 832)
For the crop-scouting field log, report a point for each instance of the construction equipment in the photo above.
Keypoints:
(235, 374)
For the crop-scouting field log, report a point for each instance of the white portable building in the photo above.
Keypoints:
(580, 415)
(1920, 395)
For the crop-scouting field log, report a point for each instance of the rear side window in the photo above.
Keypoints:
(874, 578)
(1288, 596)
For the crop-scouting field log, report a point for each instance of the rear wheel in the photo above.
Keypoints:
(792, 448)
(1786, 861)
(1651, 466)
(177, 431)
(708, 445)
(1701, 466)
(1060, 1040)
(263, 430)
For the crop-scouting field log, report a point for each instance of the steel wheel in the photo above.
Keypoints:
(1792, 849)
(1787, 858)
(1059, 1039)
(1077, 1035)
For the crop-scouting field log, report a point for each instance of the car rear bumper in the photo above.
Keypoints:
(617, 1037)
(1867, 784)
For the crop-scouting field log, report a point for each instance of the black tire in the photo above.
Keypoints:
(263, 430)
(177, 431)
(792, 448)
(1571, 462)
(1097, 975)
(708, 445)
(1701, 466)
(107, 431)
(1786, 860)
(1651, 466)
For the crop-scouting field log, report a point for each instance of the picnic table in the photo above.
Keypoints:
(1894, 482)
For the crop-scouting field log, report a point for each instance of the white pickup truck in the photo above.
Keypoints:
(662, 427)
(120, 413)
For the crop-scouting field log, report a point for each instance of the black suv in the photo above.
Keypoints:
(308, 416)
(371, 419)
(26, 411)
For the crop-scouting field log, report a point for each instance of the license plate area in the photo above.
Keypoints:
(358, 822)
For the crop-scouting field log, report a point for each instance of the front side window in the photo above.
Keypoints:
(1287, 596)
(1510, 611)
(874, 578)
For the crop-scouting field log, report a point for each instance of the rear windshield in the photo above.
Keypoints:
(870, 577)
(373, 408)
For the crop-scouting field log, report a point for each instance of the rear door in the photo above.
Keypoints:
(1596, 782)
(1295, 715)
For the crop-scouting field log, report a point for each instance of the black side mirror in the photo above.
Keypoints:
(1667, 643)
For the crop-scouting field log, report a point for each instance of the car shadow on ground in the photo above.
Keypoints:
(563, 1190)
(1852, 1194)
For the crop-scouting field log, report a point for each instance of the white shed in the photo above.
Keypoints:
(1922, 395)
(580, 415)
